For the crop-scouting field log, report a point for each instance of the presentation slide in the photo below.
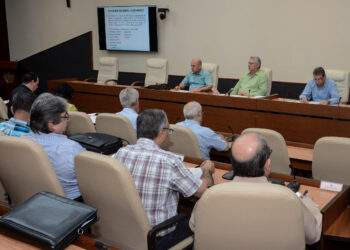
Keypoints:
(127, 28)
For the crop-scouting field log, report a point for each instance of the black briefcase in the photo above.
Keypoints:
(98, 142)
(50, 220)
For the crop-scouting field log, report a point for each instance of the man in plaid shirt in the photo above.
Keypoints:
(160, 176)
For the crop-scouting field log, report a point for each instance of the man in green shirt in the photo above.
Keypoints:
(252, 83)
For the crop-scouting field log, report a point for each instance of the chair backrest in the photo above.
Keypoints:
(79, 122)
(106, 184)
(25, 169)
(268, 73)
(342, 79)
(330, 161)
(108, 69)
(183, 141)
(117, 125)
(280, 162)
(3, 110)
(242, 215)
(213, 69)
(157, 71)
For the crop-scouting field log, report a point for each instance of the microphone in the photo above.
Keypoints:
(99, 245)
(229, 92)
(339, 101)
(231, 138)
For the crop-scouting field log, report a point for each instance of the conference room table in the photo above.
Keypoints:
(300, 124)
(334, 206)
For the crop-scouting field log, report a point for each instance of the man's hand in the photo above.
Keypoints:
(243, 93)
(207, 167)
(304, 100)
(196, 90)
(177, 87)
(324, 102)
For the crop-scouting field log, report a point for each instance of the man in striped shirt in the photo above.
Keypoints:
(18, 125)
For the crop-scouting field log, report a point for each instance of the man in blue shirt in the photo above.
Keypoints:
(198, 79)
(48, 121)
(18, 125)
(321, 89)
(129, 99)
(206, 137)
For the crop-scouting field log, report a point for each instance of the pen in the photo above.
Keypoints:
(305, 193)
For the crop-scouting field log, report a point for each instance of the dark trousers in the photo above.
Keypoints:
(181, 232)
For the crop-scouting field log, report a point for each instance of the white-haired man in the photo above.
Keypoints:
(129, 99)
(206, 137)
(253, 82)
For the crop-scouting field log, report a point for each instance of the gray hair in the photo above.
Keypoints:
(150, 122)
(128, 97)
(257, 60)
(191, 109)
(46, 108)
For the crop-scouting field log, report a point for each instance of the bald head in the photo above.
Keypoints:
(196, 65)
(250, 154)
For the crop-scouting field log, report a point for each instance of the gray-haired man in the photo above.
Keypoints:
(129, 99)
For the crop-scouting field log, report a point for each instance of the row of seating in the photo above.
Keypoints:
(329, 160)
(157, 72)
(106, 183)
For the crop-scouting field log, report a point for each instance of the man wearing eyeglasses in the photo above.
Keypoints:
(206, 137)
(252, 163)
(160, 175)
(48, 121)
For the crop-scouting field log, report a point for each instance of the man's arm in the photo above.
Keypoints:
(203, 89)
(312, 220)
(261, 86)
(334, 94)
(207, 177)
(182, 84)
(236, 88)
(306, 94)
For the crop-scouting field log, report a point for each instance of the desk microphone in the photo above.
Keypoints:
(229, 92)
(339, 101)
(233, 137)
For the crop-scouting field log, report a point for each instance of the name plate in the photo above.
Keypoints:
(331, 186)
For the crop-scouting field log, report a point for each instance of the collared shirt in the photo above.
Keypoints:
(206, 137)
(131, 115)
(159, 177)
(311, 214)
(71, 107)
(15, 127)
(61, 152)
(199, 80)
(329, 91)
(18, 89)
(255, 85)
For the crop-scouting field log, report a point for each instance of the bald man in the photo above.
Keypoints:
(198, 79)
(251, 161)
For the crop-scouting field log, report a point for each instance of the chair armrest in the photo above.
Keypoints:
(151, 236)
(109, 80)
(137, 82)
(90, 78)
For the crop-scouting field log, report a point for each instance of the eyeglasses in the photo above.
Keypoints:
(269, 154)
(66, 116)
(170, 130)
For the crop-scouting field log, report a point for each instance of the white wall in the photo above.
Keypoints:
(291, 36)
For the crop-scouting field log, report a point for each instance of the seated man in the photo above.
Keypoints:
(65, 91)
(160, 176)
(30, 83)
(198, 79)
(129, 99)
(321, 89)
(18, 125)
(206, 137)
(48, 120)
(251, 162)
(252, 83)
